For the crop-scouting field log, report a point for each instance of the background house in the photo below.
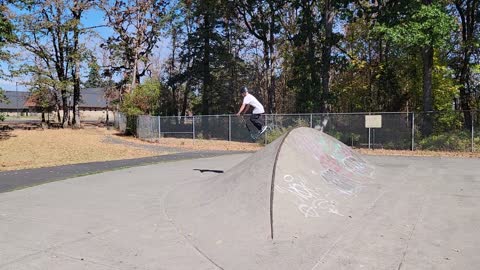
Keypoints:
(15, 103)
(93, 105)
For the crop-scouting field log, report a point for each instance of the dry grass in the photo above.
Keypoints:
(384, 152)
(23, 149)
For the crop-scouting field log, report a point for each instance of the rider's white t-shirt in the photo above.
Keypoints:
(252, 101)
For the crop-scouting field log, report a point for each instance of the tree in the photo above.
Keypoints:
(94, 78)
(468, 13)
(42, 94)
(144, 99)
(179, 76)
(45, 31)
(261, 18)
(137, 27)
(6, 35)
(302, 30)
(77, 10)
(428, 28)
(328, 16)
(207, 58)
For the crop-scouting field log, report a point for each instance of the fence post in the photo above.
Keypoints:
(473, 131)
(413, 131)
(136, 126)
(311, 120)
(229, 128)
(193, 128)
(159, 127)
(265, 134)
(369, 135)
(151, 119)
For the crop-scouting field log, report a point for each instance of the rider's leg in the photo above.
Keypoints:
(256, 121)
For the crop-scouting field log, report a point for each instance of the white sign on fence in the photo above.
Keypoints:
(373, 121)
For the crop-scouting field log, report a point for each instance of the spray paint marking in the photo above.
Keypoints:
(310, 201)
(334, 155)
(343, 184)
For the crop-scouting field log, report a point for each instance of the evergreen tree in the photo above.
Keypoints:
(94, 78)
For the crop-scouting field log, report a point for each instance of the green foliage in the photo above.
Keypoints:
(429, 25)
(279, 128)
(94, 77)
(6, 31)
(6, 35)
(143, 100)
(276, 133)
(453, 141)
(3, 98)
(2, 117)
(350, 138)
(374, 76)
(444, 88)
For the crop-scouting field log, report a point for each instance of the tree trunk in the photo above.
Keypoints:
(469, 15)
(172, 69)
(76, 96)
(107, 118)
(66, 110)
(465, 97)
(75, 56)
(328, 16)
(206, 87)
(268, 76)
(315, 83)
(427, 57)
(134, 73)
(271, 48)
(59, 118)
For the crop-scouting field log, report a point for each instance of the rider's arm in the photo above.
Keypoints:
(241, 109)
(244, 108)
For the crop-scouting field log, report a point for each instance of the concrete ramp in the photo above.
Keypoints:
(282, 208)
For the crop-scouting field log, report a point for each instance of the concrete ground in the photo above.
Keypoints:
(117, 220)
(17, 179)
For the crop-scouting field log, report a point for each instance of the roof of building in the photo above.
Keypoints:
(15, 100)
(89, 97)
(93, 98)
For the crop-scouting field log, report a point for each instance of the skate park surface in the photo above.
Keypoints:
(305, 201)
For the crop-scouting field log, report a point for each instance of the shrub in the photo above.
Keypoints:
(459, 141)
(143, 99)
(278, 131)
(275, 133)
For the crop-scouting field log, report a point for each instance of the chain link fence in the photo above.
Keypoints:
(444, 131)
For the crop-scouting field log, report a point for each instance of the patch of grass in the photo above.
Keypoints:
(44, 148)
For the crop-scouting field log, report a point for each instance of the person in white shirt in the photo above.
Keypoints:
(255, 118)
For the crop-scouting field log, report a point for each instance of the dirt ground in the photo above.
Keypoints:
(201, 145)
(418, 153)
(23, 149)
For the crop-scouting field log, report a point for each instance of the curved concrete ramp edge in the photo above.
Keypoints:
(281, 208)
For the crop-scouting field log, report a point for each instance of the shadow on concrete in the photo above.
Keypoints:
(209, 170)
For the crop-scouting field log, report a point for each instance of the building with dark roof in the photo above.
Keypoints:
(93, 99)
(93, 104)
(15, 102)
